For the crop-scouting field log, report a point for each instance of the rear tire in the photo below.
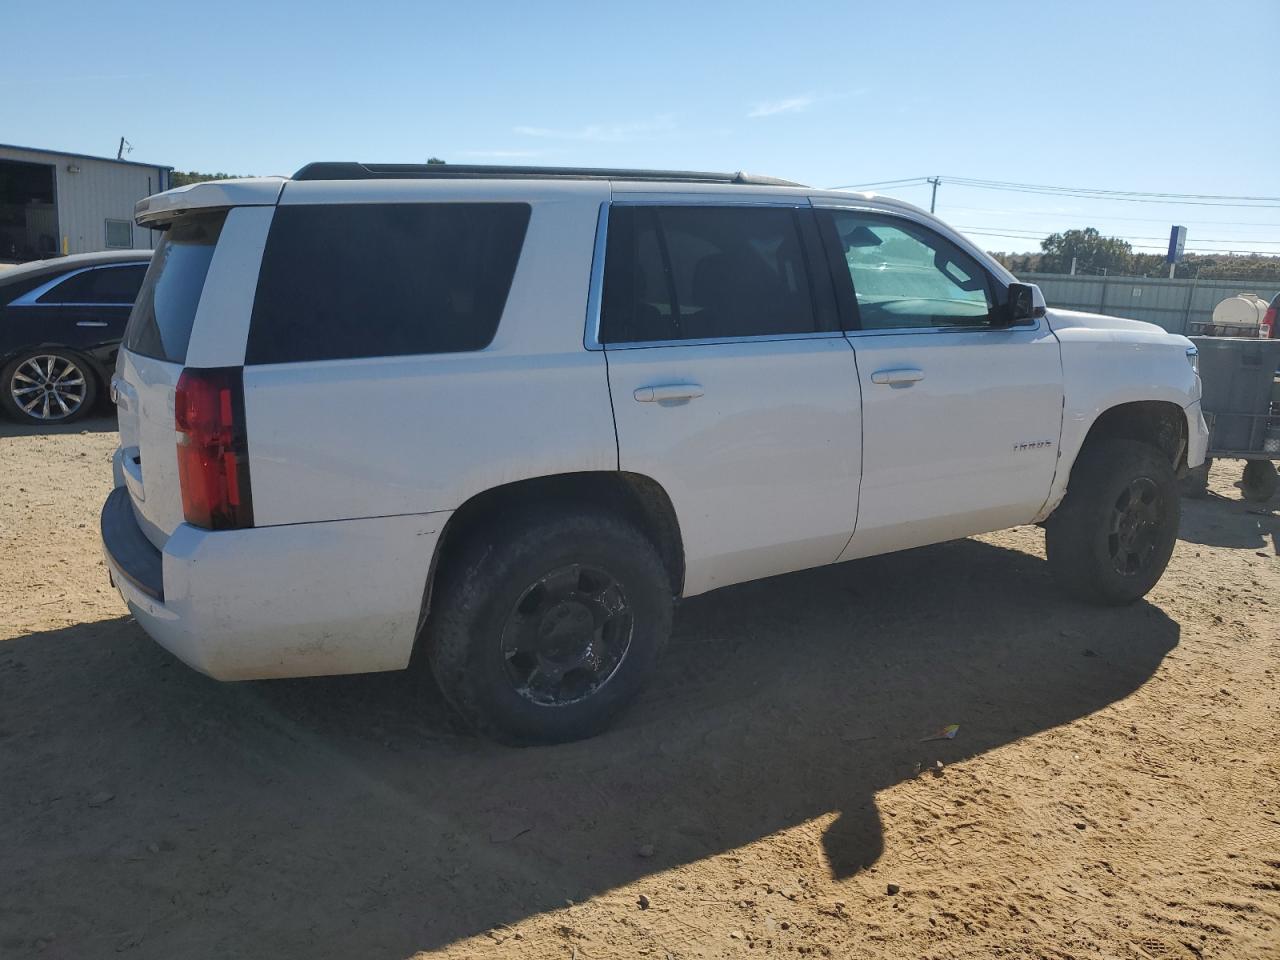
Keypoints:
(1259, 481)
(543, 630)
(1111, 538)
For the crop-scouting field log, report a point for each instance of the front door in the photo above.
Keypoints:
(732, 385)
(961, 416)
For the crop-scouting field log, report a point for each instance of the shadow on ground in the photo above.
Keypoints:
(102, 421)
(1220, 521)
(150, 811)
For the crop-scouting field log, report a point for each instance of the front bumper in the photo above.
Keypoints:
(287, 601)
(1197, 435)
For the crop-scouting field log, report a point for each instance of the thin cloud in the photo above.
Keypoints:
(802, 102)
(604, 132)
(771, 108)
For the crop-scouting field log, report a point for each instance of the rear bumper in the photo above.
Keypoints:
(288, 601)
(130, 555)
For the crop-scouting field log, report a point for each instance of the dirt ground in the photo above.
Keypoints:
(1111, 791)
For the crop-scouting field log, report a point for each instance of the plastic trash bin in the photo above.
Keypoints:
(1238, 375)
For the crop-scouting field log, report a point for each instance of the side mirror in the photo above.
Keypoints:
(1021, 305)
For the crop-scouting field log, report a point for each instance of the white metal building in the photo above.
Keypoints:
(55, 203)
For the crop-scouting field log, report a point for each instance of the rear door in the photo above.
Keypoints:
(961, 417)
(98, 308)
(151, 359)
(732, 385)
(83, 309)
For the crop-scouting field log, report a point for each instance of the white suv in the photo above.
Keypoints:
(513, 414)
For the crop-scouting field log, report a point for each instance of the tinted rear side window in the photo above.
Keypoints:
(112, 285)
(377, 280)
(160, 324)
(701, 272)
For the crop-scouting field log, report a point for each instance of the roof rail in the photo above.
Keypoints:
(468, 171)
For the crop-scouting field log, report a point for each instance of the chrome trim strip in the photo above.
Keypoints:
(30, 298)
(711, 200)
(967, 328)
(591, 338)
(729, 341)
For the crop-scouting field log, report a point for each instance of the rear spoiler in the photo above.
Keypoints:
(158, 209)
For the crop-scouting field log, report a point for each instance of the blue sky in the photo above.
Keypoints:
(1173, 97)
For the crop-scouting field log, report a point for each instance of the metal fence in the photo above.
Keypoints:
(1172, 304)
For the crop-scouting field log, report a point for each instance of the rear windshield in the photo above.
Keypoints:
(376, 280)
(160, 324)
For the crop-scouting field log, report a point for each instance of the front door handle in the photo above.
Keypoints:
(91, 323)
(898, 376)
(668, 392)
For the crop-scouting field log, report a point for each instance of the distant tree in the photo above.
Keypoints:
(1092, 251)
(180, 178)
(434, 160)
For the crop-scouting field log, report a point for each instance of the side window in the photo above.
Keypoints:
(699, 272)
(906, 276)
(384, 279)
(120, 284)
(102, 285)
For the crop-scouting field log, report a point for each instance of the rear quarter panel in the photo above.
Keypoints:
(341, 439)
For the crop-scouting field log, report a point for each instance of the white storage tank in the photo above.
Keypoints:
(1238, 316)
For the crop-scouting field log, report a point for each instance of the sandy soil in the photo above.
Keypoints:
(1111, 792)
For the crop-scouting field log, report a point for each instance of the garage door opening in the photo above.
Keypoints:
(28, 213)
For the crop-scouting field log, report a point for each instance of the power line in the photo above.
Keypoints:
(1109, 194)
(909, 181)
(1086, 193)
(1135, 246)
(1032, 231)
(1109, 216)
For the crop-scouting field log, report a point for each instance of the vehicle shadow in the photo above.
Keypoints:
(98, 422)
(151, 810)
(1220, 521)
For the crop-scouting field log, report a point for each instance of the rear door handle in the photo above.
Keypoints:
(899, 376)
(668, 392)
(91, 323)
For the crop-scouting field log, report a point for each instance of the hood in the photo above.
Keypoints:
(1078, 320)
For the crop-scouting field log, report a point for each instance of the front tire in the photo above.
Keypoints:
(1113, 535)
(43, 387)
(543, 632)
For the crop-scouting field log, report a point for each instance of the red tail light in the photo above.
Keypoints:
(213, 454)
(1267, 329)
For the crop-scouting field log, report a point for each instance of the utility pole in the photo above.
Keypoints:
(933, 200)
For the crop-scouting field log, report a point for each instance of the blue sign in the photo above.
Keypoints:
(1177, 243)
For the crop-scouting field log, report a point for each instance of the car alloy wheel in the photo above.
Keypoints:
(567, 636)
(1136, 520)
(48, 387)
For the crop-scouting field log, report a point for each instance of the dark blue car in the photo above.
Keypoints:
(61, 322)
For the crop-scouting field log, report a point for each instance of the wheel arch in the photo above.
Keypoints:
(1161, 423)
(638, 498)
